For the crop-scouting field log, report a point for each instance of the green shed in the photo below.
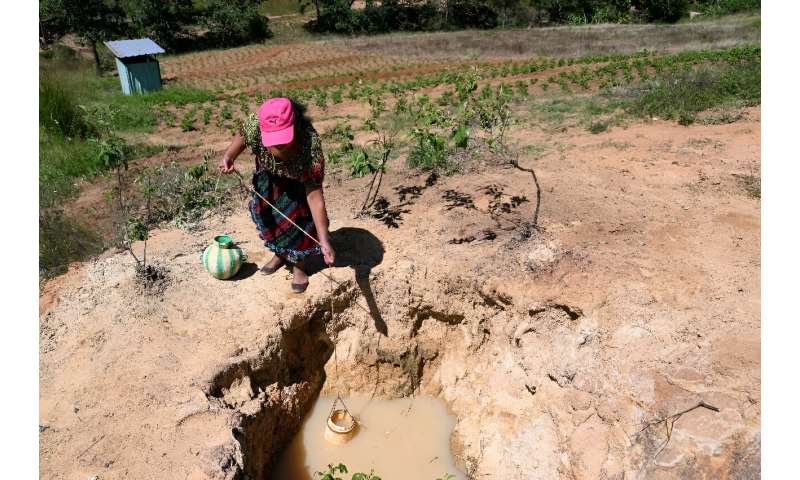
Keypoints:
(137, 65)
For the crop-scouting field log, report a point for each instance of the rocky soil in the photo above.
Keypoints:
(565, 349)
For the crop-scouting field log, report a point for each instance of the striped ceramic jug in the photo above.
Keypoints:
(222, 259)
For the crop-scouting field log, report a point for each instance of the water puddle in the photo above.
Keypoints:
(398, 439)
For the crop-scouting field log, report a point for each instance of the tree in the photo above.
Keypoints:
(91, 20)
(664, 10)
(235, 22)
(161, 20)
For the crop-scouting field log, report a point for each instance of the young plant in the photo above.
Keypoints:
(321, 99)
(460, 136)
(342, 134)
(187, 122)
(226, 113)
(376, 107)
(430, 150)
(113, 153)
(385, 145)
(334, 470)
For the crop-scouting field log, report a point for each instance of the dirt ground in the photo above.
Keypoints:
(564, 351)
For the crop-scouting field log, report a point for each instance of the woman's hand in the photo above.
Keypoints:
(226, 164)
(234, 149)
(328, 252)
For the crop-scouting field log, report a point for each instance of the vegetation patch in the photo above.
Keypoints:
(681, 96)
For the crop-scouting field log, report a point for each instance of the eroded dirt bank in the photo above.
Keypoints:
(636, 298)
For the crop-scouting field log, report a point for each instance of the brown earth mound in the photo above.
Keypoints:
(564, 349)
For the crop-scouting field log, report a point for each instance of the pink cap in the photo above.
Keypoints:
(276, 120)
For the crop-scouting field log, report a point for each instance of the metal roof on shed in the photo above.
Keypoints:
(133, 48)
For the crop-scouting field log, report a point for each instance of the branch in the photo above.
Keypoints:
(669, 424)
(515, 163)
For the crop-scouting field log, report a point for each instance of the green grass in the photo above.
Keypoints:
(681, 96)
(75, 80)
(68, 152)
(710, 94)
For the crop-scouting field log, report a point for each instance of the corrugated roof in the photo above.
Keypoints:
(133, 48)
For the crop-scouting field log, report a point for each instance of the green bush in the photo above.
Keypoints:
(722, 7)
(665, 10)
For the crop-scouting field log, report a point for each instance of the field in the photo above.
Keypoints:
(564, 246)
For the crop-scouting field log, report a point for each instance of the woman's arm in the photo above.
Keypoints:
(234, 149)
(316, 201)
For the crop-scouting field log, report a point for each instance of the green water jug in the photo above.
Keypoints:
(222, 259)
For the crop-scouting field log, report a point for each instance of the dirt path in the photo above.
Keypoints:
(638, 297)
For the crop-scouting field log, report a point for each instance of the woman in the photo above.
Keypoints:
(290, 167)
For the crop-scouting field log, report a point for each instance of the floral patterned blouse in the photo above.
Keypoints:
(309, 165)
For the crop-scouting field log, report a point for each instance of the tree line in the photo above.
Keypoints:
(339, 16)
(180, 25)
(176, 25)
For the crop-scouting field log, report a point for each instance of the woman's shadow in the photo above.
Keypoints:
(362, 251)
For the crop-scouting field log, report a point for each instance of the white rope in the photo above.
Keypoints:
(241, 179)
(335, 356)
(252, 190)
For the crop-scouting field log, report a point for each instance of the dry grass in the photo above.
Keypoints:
(305, 58)
(564, 41)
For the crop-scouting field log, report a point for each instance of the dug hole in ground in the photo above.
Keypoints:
(564, 351)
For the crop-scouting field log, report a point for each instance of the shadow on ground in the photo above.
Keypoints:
(248, 269)
(362, 251)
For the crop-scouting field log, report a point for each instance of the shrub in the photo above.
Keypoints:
(722, 7)
(471, 14)
(665, 10)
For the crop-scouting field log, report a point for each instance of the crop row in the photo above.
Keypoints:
(581, 74)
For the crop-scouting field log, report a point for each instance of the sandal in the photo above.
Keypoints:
(270, 270)
(299, 287)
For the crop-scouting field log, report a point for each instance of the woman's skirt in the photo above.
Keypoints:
(280, 236)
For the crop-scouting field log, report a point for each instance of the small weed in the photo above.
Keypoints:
(751, 184)
(598, 127)
(226, 113)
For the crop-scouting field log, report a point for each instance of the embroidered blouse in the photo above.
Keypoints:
(307, 167)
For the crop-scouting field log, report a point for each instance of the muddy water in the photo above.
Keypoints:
(398, 439)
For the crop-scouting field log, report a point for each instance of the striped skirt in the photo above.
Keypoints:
(280, 236)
